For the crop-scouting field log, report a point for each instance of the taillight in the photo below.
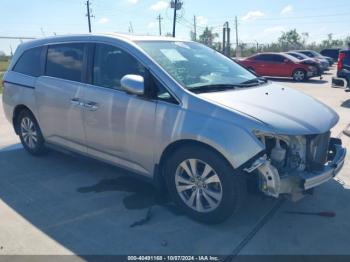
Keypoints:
(340, 61)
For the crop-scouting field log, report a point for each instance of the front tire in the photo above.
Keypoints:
(203, 184)
(30, 133)
(299, 75)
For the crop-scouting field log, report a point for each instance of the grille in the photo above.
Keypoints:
(318, 151)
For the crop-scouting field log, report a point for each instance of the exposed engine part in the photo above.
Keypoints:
(297, 154)
(278, 154)
(287, 153)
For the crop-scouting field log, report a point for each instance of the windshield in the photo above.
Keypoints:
(299, 56)
(315, 53)
(194, 65)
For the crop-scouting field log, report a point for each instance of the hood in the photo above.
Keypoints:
(286, 110)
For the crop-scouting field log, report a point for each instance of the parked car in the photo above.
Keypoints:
(343, 70)
(279, 65)
(321, 67)
(314, 54)
(176, 112)
(331, 52)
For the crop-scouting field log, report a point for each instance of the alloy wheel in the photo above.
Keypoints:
(299, 75)
(198, 185)
(29, 132)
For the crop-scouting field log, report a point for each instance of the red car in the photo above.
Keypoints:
(279, 65)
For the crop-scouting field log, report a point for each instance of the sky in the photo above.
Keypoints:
(258, 21)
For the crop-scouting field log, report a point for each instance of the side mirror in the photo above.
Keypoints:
(133, 84)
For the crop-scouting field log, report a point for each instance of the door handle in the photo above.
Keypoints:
(92, 106)
(76, 102)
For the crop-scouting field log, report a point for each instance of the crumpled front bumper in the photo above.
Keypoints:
(296, 183)
(311, 180)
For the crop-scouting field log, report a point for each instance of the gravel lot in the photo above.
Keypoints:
(63, 204)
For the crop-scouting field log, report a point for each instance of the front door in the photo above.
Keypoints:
(119, 126)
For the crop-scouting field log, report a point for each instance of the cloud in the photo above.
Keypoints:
(253, 15)
(160, 5)
(287, 10)
(202, 21)
(274, 29)
(133, 1)
(103, 20)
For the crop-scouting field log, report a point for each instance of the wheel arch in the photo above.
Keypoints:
(299, 69)
(17, 110)
(171, 148)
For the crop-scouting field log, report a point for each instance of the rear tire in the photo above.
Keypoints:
(204, 185)
(30, 134)
(299, 75)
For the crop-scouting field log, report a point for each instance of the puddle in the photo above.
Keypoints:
(143, 195)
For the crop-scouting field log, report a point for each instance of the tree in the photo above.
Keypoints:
(208, 37)
(330, 42)
(290, 40)
(304, 38)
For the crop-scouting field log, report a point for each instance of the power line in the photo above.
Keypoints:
(294, 23)
(303, 17)
(17, 37)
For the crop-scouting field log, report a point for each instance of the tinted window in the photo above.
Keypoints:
(298, 55)
(111, 64)
(269, 58)
(309, 54)
(277, 58)
(261, 58)
(29, 63)
(65, 61)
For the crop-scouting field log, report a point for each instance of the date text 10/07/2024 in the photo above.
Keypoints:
(173, 258)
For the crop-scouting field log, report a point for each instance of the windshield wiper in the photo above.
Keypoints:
(255, 81)
(222, 87)
(212, 88)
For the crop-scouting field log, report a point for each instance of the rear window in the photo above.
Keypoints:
(65, 61)
(29, 63)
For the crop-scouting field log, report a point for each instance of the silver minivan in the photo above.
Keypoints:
(181, 114)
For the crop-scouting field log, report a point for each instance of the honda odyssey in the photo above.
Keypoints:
(179, 113)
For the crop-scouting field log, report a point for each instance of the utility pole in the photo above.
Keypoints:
(160, 18)
(228, 45)
(237, 45)
(176, 4)
(226, 39)
(88, 14)
(194, 28)
(131, 28)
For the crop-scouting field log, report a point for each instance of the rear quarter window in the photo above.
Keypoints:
(30, 62)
